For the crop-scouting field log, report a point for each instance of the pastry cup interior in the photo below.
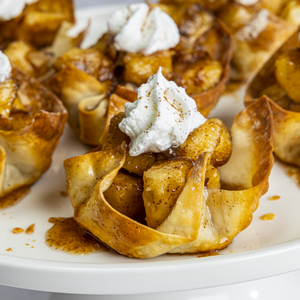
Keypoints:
(29, 134)
(286, 123)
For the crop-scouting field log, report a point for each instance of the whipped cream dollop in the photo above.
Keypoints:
(163, 116)
(141, 29)
(5, 67)
(10, 9)
(254, 28)
(246, 2)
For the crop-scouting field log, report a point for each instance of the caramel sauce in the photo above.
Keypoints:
(67, 236)
(30, 229)
(63, 193)
(55, 220)
(17, 230)
(9, 249)
(267, 217)
(295, 174)
(13, 197)
(276, 197)
(206, 254)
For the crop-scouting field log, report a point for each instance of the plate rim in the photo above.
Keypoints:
(207, 272)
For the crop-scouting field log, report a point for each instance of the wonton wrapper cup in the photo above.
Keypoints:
(38, 63)
(218, 43)
(26, 149)
(38, 23)
(85, 99)
(189, 228)
(286, 123)
(250, 55)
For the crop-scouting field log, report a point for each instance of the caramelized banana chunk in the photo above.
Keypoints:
(125, 195)
(163, 183)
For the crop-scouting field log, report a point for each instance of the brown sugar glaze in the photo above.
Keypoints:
(67, 236)
(13, 197)
(273, 198)
(17, 230)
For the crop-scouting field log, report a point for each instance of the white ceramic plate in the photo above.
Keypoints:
(264, 249)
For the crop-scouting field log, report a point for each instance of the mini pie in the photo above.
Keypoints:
(195, 198)
(39, 22)
(279, 80)
(31, 123)
(199, 63)
(204, 45)
(83, 82)
(38, 62)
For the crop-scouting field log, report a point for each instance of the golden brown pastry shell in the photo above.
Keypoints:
(38, 23)
(265, 76)
(197, 223)
(27, 147)
(286, 123)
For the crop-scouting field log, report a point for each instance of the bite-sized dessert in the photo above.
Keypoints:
(166, 179)
(33, 33)
(279, 79)
(35, 22)
(257, 34)
(190, 45)
(38, 62)
(31, 123)
(84, 81)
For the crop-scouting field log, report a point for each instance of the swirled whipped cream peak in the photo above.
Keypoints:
(163, 116)
(5, 67)
(246, 2)
(139, 28)
(10, 9)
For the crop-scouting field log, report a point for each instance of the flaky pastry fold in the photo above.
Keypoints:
(286, 123)
(85, 99)
(29, 131)
(202, 218)
(250, 53)
(38, 62)
(38, 23)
